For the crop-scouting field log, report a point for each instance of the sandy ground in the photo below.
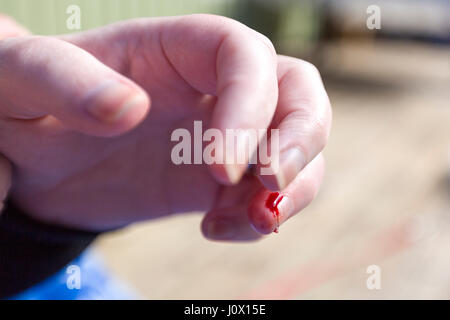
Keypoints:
(385, 200)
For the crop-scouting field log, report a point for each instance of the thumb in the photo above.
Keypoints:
(42, 76)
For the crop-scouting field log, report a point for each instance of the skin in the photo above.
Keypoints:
(86, 121)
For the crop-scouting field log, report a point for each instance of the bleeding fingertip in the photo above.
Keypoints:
(269, 210)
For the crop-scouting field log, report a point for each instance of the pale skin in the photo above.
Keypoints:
(85, 123)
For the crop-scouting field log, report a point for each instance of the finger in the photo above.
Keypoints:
(228, 220)
(41, 76)
(5, 179)
(229, 224)
(210, 55)
(247, 94)
(242, 214)
(303, 118)
(268, 210)
(222, 57)
(10, 28)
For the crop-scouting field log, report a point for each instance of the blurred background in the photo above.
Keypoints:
(386, 195)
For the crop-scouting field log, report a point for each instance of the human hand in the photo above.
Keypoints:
(8, 29)
(88, 152)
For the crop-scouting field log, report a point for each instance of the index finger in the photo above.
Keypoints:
(303, 118)
(223, 57)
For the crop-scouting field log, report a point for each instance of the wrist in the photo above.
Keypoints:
(31, 251)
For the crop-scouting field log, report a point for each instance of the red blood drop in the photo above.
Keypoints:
(272, 204)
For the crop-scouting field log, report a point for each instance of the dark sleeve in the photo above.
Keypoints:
(31, 251)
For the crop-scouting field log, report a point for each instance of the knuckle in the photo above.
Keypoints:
(320, 132)
(236, 27)
(308, 68)
(301, 67)
(314, 126)
(217, 20)
(267, 43)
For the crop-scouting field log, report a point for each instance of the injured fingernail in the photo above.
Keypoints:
(220, 229)
(281, 208)
(270, 210)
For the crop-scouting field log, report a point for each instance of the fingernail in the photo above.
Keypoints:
(232, 173)
(113, 100)
(281, 208)
(134, 101)
(292, 162)
(220, 229)
(236, 154)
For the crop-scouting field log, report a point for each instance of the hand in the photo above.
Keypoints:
(8, 28)
(89, 152)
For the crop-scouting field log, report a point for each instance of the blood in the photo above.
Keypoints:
(272, 203)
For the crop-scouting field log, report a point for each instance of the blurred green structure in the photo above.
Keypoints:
(293, 25)
(289, 23)
(49, 16)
